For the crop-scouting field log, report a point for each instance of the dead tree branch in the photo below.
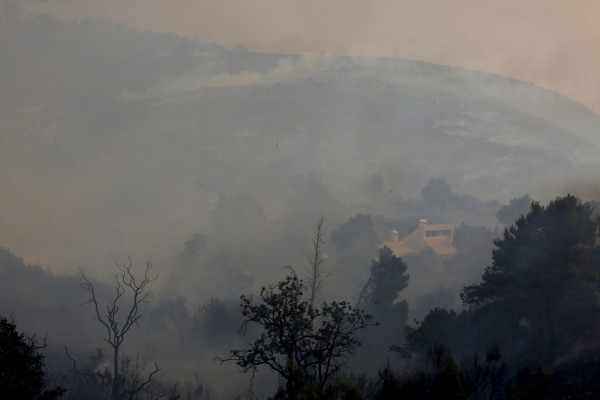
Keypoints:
(130, 293)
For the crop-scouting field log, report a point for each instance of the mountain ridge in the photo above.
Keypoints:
(118, 130)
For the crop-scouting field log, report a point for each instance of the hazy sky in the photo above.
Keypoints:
(552, 43)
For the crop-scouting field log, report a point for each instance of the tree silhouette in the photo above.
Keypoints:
(437, 193)
(306, 346)
(316, 256)
(21, 366)
(379, 298)
(509, 213)
(541, 275)
(388, 277)
(118, 324)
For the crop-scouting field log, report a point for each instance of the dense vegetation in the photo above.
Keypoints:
(527, 330)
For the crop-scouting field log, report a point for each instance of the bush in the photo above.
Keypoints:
(21, 366)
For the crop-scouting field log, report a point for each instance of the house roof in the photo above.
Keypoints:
(397, 248)
(441, 245)
(437, 237)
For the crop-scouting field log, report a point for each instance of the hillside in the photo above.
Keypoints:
(116, 141)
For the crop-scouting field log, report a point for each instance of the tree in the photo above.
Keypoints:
(118, 324)
(438, 326)
(446, 381)
(487, 379)
(217, 321)
(388, 277)
(353, 242)
(379, 297)
(316, 257)
(541, 276)
(357, 229)
(306, 346)
(191, 251)
(536, 384)
(509, 213)
(21, 366)
(437, 193)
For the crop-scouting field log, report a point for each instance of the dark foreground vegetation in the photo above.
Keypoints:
(529, 329)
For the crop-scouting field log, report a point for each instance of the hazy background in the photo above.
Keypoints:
(109, 133)
(552, 43)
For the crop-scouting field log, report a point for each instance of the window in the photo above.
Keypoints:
(437, 233)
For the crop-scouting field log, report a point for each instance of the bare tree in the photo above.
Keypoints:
(315, 275)
(118, 320)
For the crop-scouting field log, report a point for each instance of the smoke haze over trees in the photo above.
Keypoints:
(218, 163)
(147, 129)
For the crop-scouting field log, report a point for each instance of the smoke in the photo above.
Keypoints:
(219, 174)
(511, 38)
(287, 70)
